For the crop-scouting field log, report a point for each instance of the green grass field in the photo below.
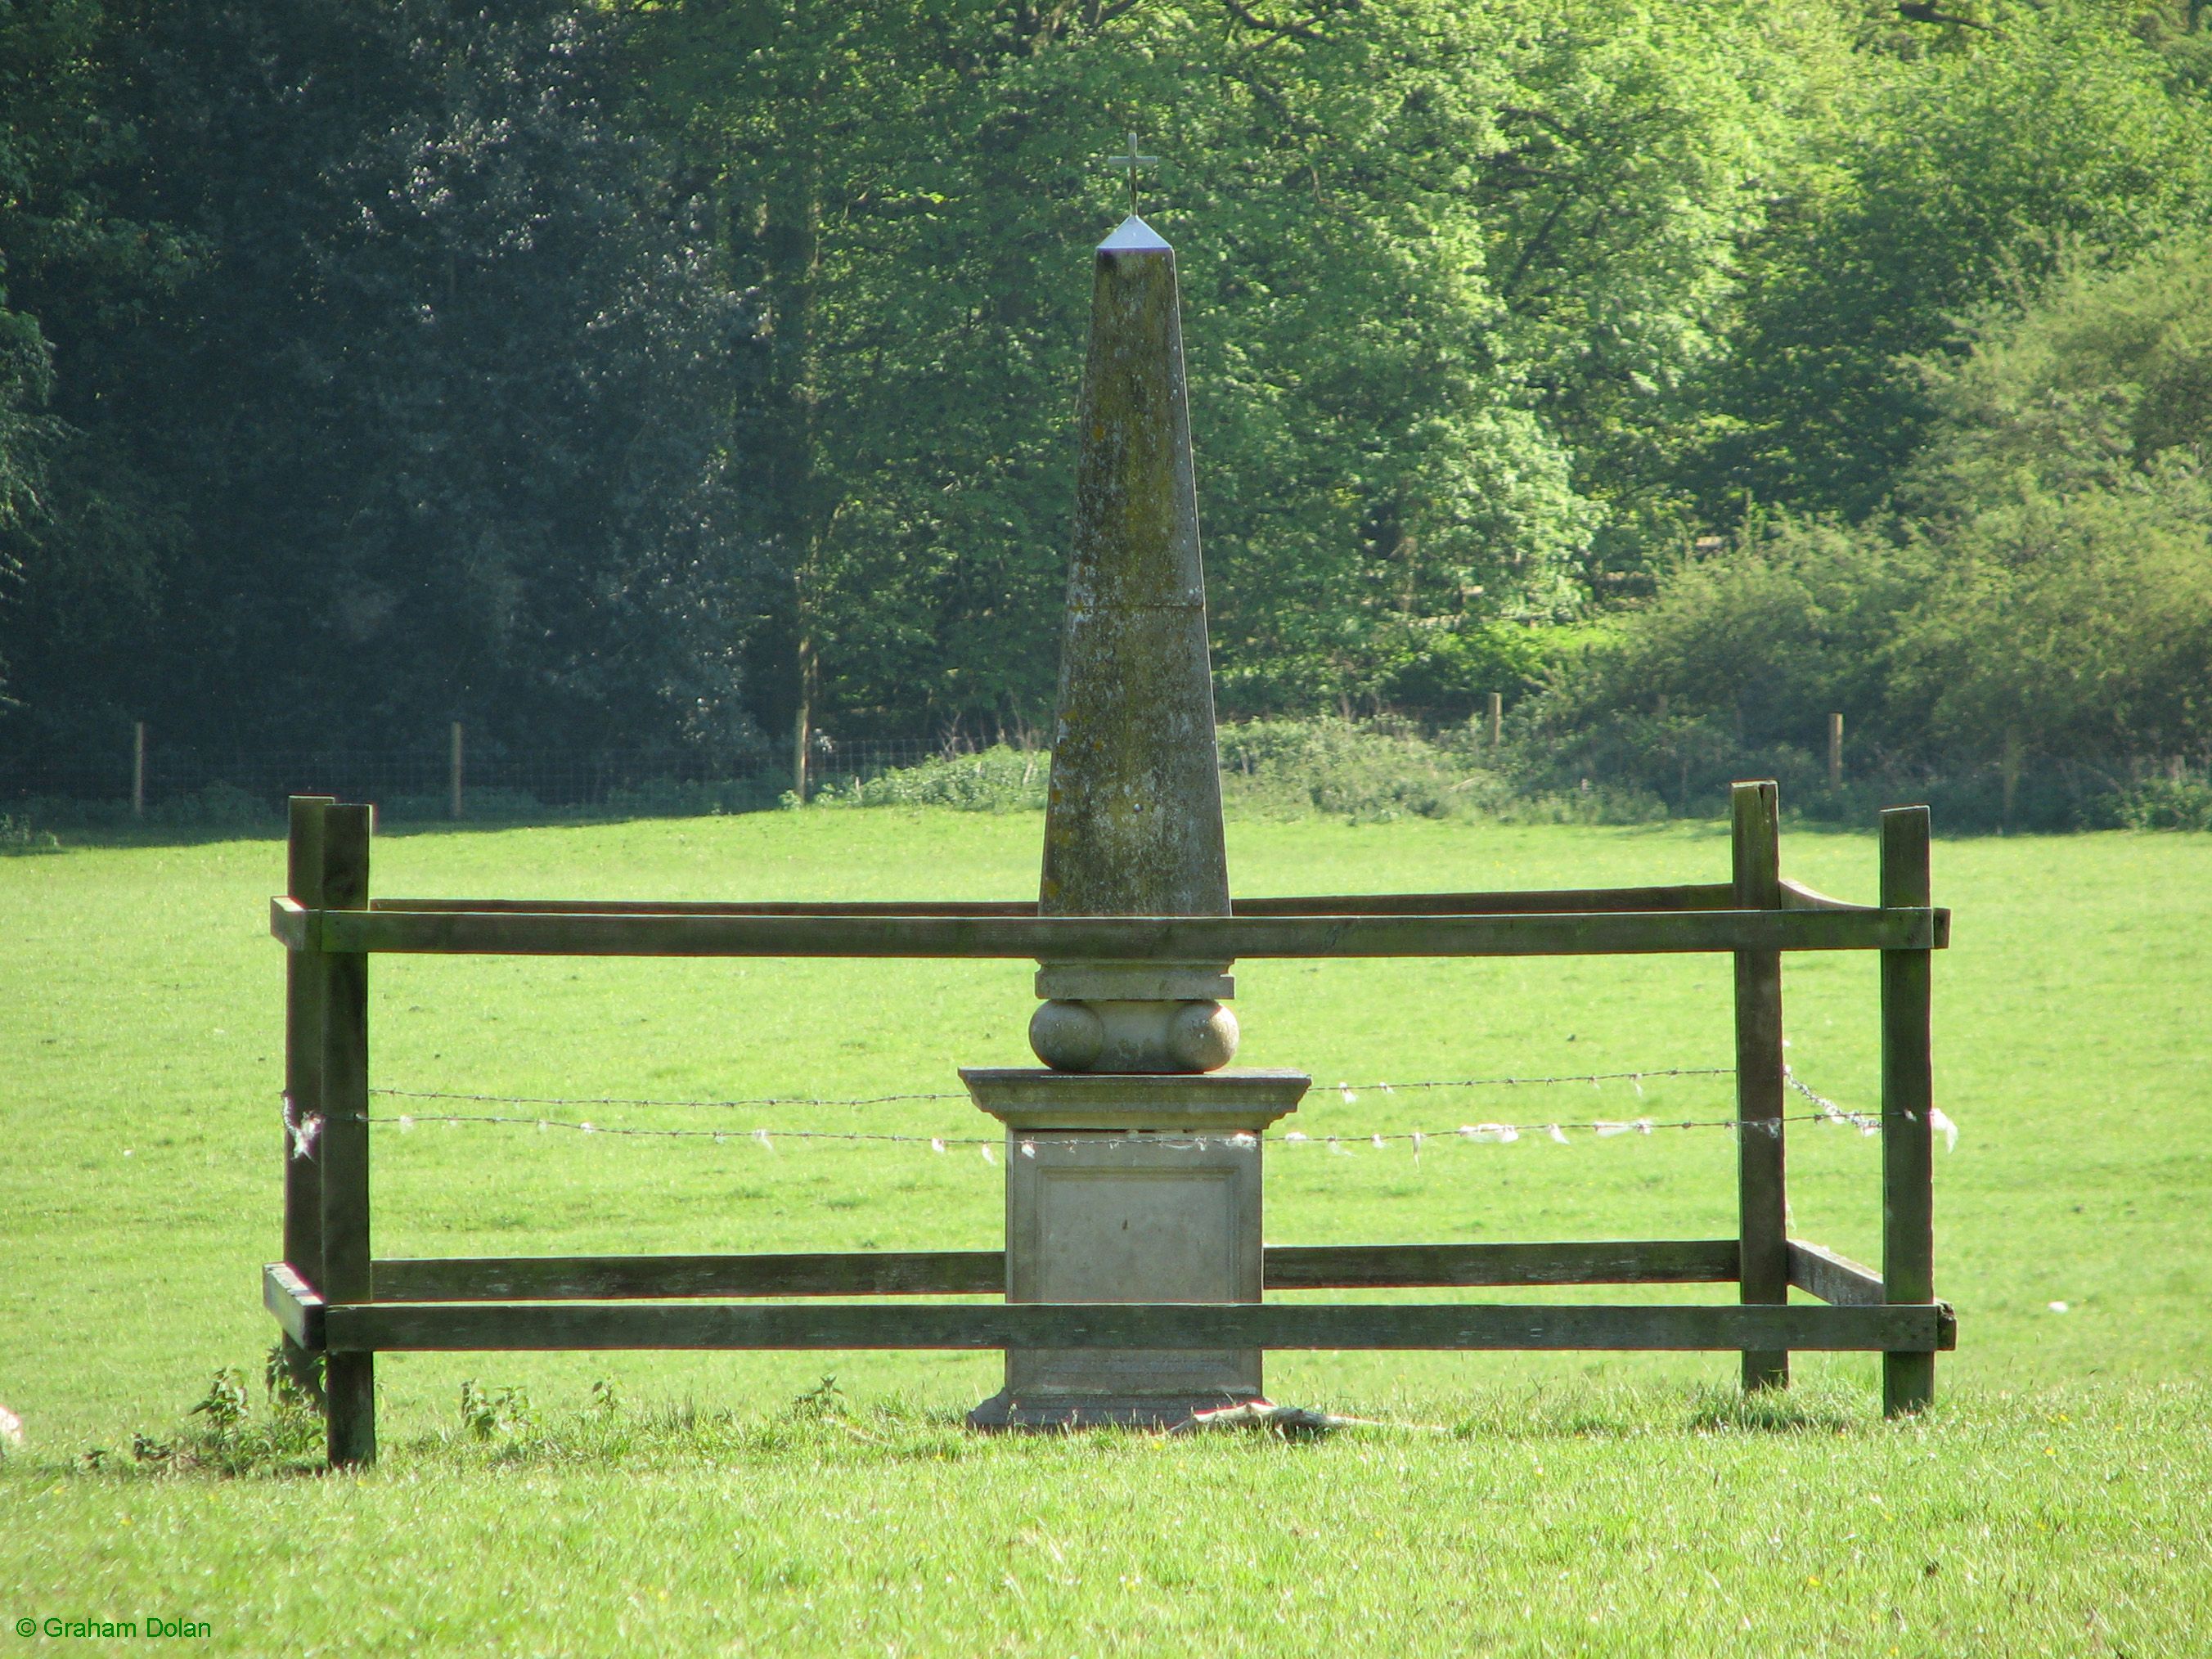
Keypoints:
(2055, 1502)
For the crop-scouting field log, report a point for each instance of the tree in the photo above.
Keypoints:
(1450, 276)
(2068, 485)
(439, 412)
(73, 516)
(1947, 178)
(1642, 145)
(2043, 589)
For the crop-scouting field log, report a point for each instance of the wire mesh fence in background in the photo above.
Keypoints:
(144, 777)
(1367, 771)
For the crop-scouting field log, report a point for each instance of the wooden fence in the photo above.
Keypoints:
(333, 1297)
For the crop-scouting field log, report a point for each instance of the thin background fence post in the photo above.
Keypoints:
(2009, 765)
(1496, 715)
(1763, 1249)
(456, 771)
(1908, 1095)
(350, 1379)
(138, 769)
(1835, 752)
(304, 985)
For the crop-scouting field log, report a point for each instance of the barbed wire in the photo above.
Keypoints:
(303, 1133)
(1351, 1092)
(1492, 1132)
(1835, 1114)
(617, 1100)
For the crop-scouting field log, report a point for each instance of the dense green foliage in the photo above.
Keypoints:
(629, 375)
(1943, 185)
(2039, 587)
(1277, 768)
(1395, 229)
(419, 417)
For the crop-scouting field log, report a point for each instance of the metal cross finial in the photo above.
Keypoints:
(1130, 163)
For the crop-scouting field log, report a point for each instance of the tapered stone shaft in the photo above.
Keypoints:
(1133, 823)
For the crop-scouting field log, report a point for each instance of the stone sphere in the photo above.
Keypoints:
(1067, 1036)
(1202, 1037)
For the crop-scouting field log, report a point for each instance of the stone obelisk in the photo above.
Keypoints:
(1133, 1166)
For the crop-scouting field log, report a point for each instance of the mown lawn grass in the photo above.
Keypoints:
(2057, 1494)
(1651, 1521)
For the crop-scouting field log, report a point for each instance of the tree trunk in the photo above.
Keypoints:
(803, 726)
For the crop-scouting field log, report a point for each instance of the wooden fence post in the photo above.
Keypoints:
(1835, 752)
(1496, 717)
(138, 769)
(350, 1379)
(2009, 772)
(1763, 1230)
(304, 987)
(1908, 1095)
(456, 772)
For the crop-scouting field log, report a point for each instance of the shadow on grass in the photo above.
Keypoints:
(1629, 1412)
(269, 1443)
(1771, 1411)
(104, 837)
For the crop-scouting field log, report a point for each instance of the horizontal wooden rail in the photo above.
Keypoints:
(983, 1273)
(298, 1310)
(1708, 896)
(1105, 939)
(625, 1278)
(1385, 1267)
(540, 1326)
(287, 922)
(1563, 901)
(1834, 1278)
(1796, 895)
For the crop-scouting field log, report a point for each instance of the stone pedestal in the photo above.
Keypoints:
(1129, 1188)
